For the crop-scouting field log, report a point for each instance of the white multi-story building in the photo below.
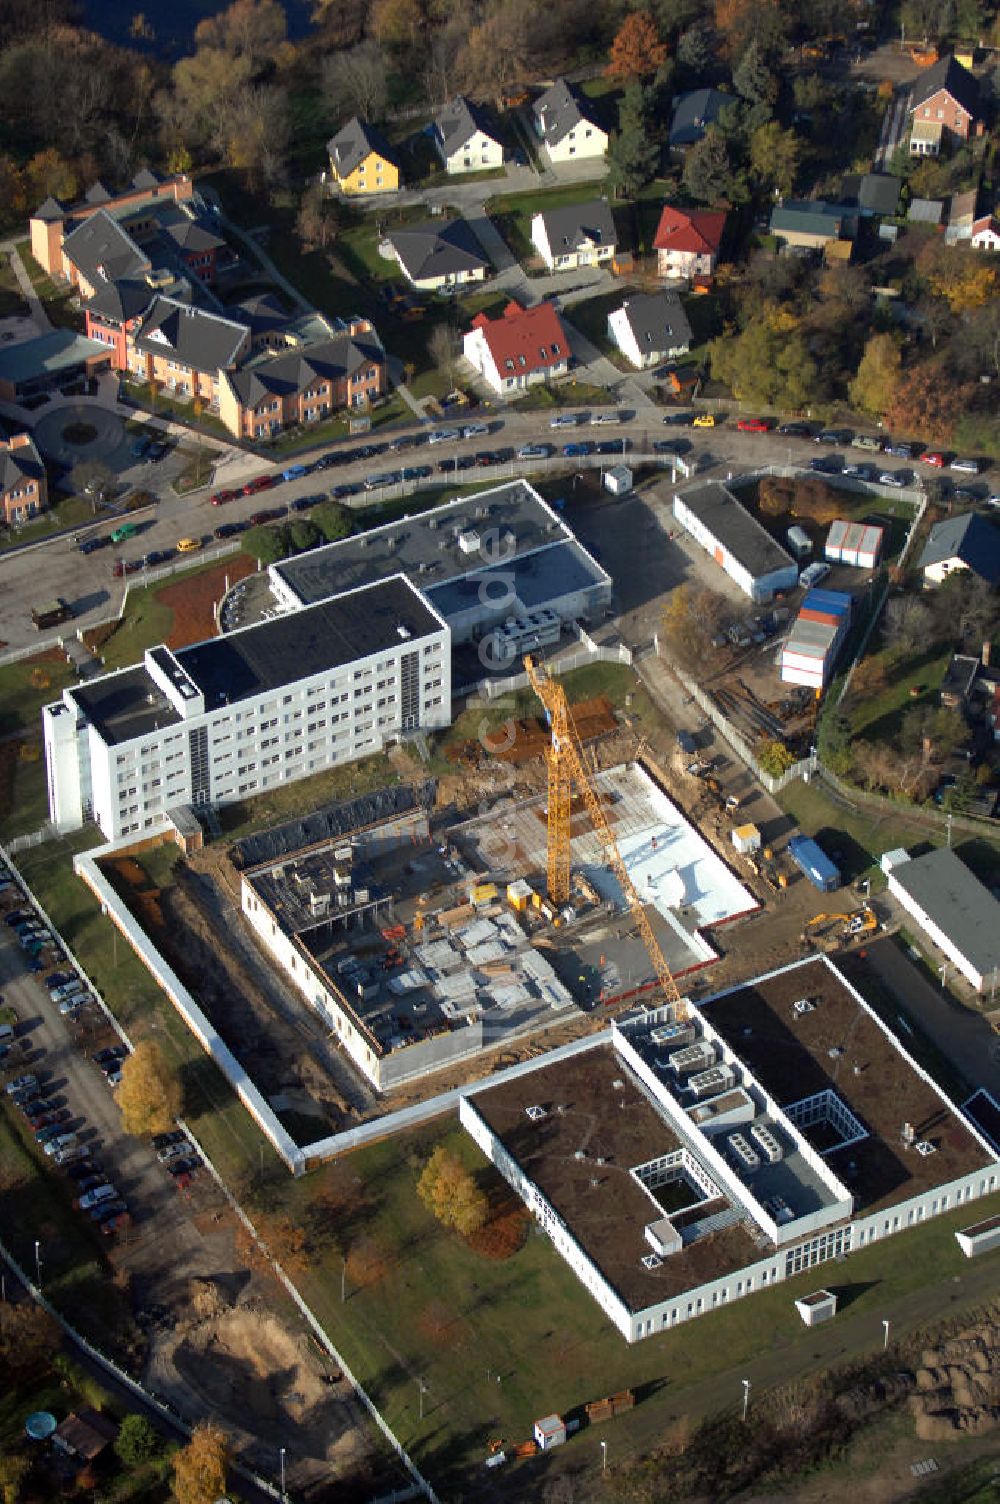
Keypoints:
(224, 719)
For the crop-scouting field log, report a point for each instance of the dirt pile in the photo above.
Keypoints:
(958, 1384)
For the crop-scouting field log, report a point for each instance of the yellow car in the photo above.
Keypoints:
(188, 545)
(704, 420)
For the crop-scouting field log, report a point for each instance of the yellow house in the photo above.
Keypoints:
(360, 160)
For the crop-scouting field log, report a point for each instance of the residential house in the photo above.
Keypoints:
(811, 224)
(438, 254)
(521, 348)
(969, 541)
(361, 160)
(650, 328)
(575, 235)
(567, 126)
(875, 194)
(687, 241)
(465, 139)
(23, 484)
(944, 107)
(693, 113)
(961, 216)
(986, 233)
(98, 251)
(304, 386)
(184, 350)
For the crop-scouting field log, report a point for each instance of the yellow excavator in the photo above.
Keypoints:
(862, 922)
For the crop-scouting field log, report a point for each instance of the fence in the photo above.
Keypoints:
(32, 838)
(493, 689)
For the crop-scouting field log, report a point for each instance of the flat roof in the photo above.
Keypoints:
(604, 1207)
(839, 1046)
(125, 705)
(425, 547)
(561, 568)
(49, 353)
(718, 510)
(289, 648)
(957, 902)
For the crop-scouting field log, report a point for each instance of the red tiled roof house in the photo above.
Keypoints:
(687, 241)
(522, 347)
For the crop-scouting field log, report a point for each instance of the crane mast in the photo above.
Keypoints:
(566, 767)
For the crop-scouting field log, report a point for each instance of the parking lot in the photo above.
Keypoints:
(64, 1096)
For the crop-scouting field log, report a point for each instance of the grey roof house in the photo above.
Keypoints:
(969, 541)
(353, 143)
(102, 251)
(285, 375)
(575, 234)
(465, 137)
(874, 193)
(202, 341)
(650, 328)
(567, 123)
(439, 253)
(693, 113)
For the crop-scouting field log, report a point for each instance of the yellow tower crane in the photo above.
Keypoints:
(566, 768)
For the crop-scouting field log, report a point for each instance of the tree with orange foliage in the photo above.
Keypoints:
(200, 1467)
(637, 49)
(739, 22)
(929, 402)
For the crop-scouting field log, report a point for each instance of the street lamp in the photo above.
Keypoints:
(281, 1461)
(38, 1263)
(604, 1456)
(885, 1327)
(746, 1396)
(423, 1391)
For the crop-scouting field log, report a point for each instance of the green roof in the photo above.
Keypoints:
(48, 353)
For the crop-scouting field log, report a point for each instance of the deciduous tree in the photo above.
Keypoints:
(333, 520)
(694, 53)
(280, 1240)
(874, 387)
(252, 29)
(28, 1339)
(149, 1098)
(637, 49)
(200, 1467)
(775, 156)
(928, 401)
(450, 1193)
(356, 82)
(267, 544)
(691, 618)
(14, 1470)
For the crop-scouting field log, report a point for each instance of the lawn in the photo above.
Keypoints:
(11, 300)
(512, 213)
(571, 393)
(160, 404)
(293, 800)
(871, 831)
(215, 1114)
(64, 513)
(29, 684)
(876, 714)
(590, 316)
(499, 1343)
(35, 1205)
(298, 440)
(55, 298)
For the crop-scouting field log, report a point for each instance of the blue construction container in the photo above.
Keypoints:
(813, 862)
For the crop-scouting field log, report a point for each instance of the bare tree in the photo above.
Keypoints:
(907, 624)
(356, 82)
(442, 346)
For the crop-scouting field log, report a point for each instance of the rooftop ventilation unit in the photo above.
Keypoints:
(804, 1005)
(579, 1155)
(651, 1261)
(535, 1113)
(618, 1085)
(924, 1147)
(432, 523)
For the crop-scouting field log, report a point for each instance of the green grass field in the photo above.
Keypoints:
(29, 684)
(459, 1320)
(55, 298)
(512, 213)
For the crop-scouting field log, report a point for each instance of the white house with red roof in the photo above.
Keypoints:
(986, 233)
(519, 349)
(687, 241)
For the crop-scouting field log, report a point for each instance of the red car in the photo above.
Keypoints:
(753, 425)
(125, 566)
(259, 483)
(222, 496)
(934, 457)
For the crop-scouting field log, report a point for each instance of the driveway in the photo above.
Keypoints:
(963, 1037)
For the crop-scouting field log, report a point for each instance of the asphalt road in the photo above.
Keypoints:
(86, 582)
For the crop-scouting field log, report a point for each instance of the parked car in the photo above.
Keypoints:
(259, 483)
(828, 465)
(221, 497)
(813, 574)
(116, 1223)
(61, 1141)
(443, 436)
(754, 425)
(567, 420)
(91, 545)
(534, 451)
(383, 478)
(188, 545)
(106, 1209)
(933, 457)
(795, 430)
(303, 503)
(473, 430)
(110, 1052)
(613, 446)
(349, 488)
(103, 1192)
(967, 466)
(71, 1006)
(577, 451)
(85, 1169)
(687, 743)
(139, 447)
(189, 1165)
(703, 420)
(862, 471)
(20, 1083)
(898, 449)
(165, 1140)
(898, 478)
(834, 436)
(171, 1151)
(71, 1155)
